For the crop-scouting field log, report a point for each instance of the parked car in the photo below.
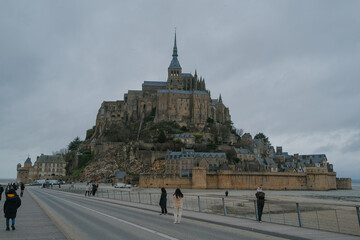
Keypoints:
(122, 185)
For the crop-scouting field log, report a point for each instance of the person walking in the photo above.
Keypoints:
(11, 205)
(7, 189)
(22, 188)
(260, 200)
(178, 205)
(88, 189)
(94, 189)
(163, 200)
(1, 191)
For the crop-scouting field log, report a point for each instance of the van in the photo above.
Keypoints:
(122, 185)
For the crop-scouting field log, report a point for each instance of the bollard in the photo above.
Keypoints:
(256, 211)
(139, 197)
(150, 199)
(299, 215)
(223, 200)
(199, 204)
(121, 197)
(108, 193)
(358, 213)
(129, 197)
(114, 195)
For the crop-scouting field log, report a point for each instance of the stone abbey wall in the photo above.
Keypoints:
(228, 179)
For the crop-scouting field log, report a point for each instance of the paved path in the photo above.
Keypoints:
(32, 223)
(271, 229)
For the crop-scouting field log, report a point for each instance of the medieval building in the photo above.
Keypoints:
(45, 167)
(183, 98)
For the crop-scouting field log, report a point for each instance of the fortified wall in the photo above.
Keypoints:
(228, 179)
(343, 183)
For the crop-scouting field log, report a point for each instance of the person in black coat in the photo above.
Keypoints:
(22, 187)
(163, 200)
(260, 200)
(11, 205)
(1, 191)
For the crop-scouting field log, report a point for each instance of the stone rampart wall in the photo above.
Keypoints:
(244, 180)
(164, 180)
(343, 183)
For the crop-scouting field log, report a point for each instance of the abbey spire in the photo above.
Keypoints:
(175, 62)
(174, 70)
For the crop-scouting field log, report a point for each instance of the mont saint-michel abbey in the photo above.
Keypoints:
(183, 98)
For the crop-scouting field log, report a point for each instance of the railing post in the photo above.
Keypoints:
(129, 197)
(108, 193)
(139, 197)
(358, 213)
(337, 220)
(256, 211)
(150, 199)
(199, 204)
(121, 197)
(114, 195)
(223, 200)
(299, 215)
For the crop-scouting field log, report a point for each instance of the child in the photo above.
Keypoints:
(11, 205)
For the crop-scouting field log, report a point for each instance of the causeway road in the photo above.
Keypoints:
(49, 214)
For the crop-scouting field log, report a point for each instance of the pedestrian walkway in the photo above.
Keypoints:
(272, 229)
(32, 223)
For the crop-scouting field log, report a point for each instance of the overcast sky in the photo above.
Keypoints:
(289, 69)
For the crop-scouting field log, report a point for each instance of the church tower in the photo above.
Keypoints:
(174, 71)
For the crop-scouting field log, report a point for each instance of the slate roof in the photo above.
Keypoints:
(154, 83)
(28, 160)
(175, 63)
(50, 158)
(190, 153)
(316, 158)
(186, 75)
(180, 91)
(243, 151)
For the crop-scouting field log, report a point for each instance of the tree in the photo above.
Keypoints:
(74, 144)
(239, 132)
(162, 137)
(263, 137)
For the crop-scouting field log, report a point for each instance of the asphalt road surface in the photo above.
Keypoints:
(83, 218)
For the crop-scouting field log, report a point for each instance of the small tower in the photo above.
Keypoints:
(174, 71)
(28, 163)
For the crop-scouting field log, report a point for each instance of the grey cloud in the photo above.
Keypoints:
(283, 68)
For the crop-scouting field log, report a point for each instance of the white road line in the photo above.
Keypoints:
(118, 219)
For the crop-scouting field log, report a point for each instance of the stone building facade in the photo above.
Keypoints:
(182, 163)
(45, 167)
(183, 98)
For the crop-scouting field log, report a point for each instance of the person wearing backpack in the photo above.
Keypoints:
(11, 205)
